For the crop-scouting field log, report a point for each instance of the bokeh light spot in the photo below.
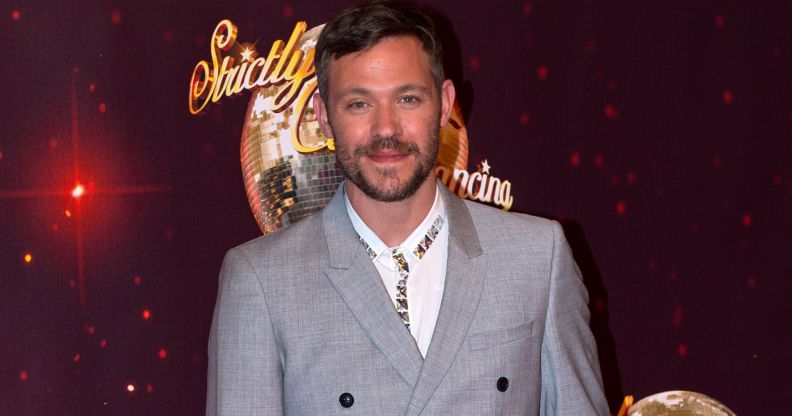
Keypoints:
(599, 160)
(28, 258)
(149, 389)
(610, 112)
(728, 96)
(102, 107)
(525, 119)
(103, 343)
(751, 282)
(76, 357)
(163, 353)
(137, 280)
(287, 10)
(719, 22)
(574, 159)
(621, 207)
(474, 62)
(747, 220)
(23, 375)
(15, 15)
(146, 314)
(115, 17)
(67, 213)
(130, 387)
(682, 350)
(677, 320)
(542, 72)
(527, 9)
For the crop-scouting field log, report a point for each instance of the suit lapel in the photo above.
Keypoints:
(465, 271)
(358, 283)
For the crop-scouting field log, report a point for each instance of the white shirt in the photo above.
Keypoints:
(426, 280)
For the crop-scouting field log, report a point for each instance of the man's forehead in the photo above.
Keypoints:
(394, 56)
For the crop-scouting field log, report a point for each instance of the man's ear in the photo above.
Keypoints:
(447, 96)
(321, 116)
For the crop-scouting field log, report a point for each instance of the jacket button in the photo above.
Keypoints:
(346, 400)
(503, 384)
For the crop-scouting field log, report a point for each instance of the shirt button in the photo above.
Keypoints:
(503, 384)
(346, 400)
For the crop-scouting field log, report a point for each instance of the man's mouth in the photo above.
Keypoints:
(387, 156)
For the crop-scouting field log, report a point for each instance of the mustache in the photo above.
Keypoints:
(387, 143)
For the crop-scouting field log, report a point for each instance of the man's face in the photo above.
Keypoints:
(385, 114)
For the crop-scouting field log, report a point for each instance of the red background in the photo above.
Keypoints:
(659, 132)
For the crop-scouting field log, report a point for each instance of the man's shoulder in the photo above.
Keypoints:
(304, 236)
(496, 222)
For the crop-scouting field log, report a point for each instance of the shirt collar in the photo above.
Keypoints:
(409, 244)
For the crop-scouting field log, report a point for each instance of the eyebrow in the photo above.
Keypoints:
(400, 90)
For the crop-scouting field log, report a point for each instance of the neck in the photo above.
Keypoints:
(394, 221)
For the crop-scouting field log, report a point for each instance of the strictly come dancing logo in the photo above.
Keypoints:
(288, 164)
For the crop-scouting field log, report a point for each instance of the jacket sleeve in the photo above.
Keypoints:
(245, 375)
(571, 379)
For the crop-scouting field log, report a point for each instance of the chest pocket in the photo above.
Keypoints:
(498, 336)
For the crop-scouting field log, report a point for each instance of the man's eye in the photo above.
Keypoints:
(357, 105)
(410, 99)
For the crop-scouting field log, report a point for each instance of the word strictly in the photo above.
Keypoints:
(286, 65)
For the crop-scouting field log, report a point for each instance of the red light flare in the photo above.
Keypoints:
(527, 9)
(78, 191)
(23, 375)
(719, 22)
(163, 353)
(115, 17)
(15, 15)
(137, 280)
(146, 315)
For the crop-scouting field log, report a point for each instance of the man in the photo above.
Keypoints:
(399, 298)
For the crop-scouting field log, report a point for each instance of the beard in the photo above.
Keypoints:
(384, 184)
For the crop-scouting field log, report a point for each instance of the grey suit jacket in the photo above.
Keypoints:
(302, 317)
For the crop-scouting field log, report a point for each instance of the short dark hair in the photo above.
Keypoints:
(363, 26)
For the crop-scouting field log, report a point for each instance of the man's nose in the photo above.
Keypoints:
(386, 122)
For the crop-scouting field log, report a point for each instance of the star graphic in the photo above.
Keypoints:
(484, 167)
(247, 54)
